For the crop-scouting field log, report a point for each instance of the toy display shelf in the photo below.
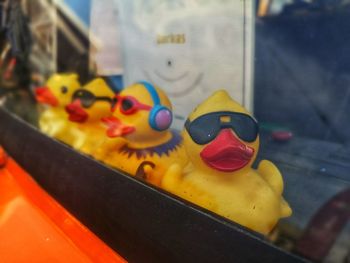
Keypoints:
(142, 223)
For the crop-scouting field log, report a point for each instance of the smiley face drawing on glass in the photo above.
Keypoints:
(188, 50)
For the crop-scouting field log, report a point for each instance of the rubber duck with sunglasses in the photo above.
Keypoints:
(88, 105)
(55, 95)
(222, 140)
(141, 115)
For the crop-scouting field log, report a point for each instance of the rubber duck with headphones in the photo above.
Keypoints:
(142, 115)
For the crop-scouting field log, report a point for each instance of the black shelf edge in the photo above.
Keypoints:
(140, 222)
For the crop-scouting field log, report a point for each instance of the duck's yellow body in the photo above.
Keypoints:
(148, 163)
(54, 123)
(228, 186)
(247, 199)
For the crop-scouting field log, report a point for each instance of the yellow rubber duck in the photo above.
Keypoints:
(142, 117)
(88, 105)
(222, 141)
(55, 95)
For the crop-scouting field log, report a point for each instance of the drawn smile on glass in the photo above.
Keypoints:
(185, 77)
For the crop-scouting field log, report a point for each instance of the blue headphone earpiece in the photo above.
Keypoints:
(160, 117)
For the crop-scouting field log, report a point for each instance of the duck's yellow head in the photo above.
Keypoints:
(58, 90)
(221, 136)
(142, 114)
(90, 103)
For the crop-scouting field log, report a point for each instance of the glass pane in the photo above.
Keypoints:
(192, 96)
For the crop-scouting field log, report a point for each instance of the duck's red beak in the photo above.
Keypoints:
(76, 112)
(227, 153)
(45, 96)
(116, 128)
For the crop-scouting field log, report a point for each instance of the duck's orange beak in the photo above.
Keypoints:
(227, 153)
(45, 96)
(76, 112)
(116, 128)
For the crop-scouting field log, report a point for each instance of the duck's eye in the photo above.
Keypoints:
(127, 104)
(64, 89)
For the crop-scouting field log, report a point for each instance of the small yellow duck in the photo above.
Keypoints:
(88, 105)
(222, 141)
(56, 94)
(142, 117)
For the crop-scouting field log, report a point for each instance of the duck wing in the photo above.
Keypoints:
(270, 173)
(172, 177)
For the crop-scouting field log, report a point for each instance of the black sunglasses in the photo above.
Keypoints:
(205, 128)
(87, 98)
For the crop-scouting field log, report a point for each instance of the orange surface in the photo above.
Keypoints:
(35, 228)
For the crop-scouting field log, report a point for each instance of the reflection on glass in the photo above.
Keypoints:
(300, 95)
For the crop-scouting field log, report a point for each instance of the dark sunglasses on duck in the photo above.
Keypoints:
(87, 98)
(205, 128)
(128, 104)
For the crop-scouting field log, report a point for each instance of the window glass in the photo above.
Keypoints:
(192, 97)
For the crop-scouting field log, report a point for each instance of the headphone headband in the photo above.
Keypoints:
(152, 91)
(160, 117)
